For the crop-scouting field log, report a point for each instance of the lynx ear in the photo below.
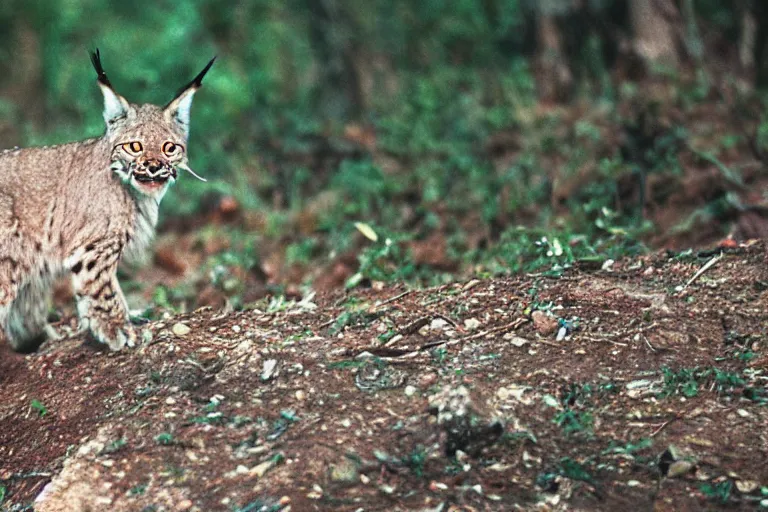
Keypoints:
(115, 106)
(177, 111)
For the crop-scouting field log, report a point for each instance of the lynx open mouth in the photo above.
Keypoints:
(145, 178)
(159, 177)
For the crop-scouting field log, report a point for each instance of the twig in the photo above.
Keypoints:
(503, 328)
(447, 319)
(653, 434)
(393, 299)
(649, 344)
(703, 269)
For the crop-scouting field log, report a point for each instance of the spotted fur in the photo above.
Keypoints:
(81, 209)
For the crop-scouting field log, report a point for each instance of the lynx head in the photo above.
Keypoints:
(149, 142)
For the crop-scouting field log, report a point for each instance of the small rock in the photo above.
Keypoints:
(471, 324)
(427, 380)
(544, 323)
(436, 325)
(268, 370)
(236, 328)
(680, 468)
(516, 340)
(180, 329)
(301, 395)
(410, 390)
(184, 505)
(471, 284)
(345, 471)
(747, 486)
(437, 486)
(261, 469)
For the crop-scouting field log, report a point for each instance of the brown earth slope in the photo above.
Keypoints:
(462, 397)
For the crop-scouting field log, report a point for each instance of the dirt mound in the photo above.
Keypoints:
(641, 385)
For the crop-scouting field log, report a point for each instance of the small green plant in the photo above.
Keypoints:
(165, 439)
(416, 460)
(138, 490)
(629, 448)
(720, 492)
(3, 492)
(439, 355)
(687, 381)
(574, 421)
(38, 406)
(569, 468)
(384, 260)
(115, 445)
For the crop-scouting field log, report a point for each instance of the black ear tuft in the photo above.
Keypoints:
(101, 75)
(196, 82)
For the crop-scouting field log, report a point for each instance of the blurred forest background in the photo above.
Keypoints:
(349, 143)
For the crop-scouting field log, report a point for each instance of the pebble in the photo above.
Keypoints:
(680, 468)
(344, 471)
(261, 469)
(544, 323)
(184, 505)
(180, 329)
(427, 380)
(301, 395)
(516, 340)
(747, 486)
(410, 390)
(471, 324)
(268, 370)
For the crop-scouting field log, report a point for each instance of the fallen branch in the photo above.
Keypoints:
(709, 264)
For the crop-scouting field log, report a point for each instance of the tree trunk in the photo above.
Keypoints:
(554, 75)
(760, 11)
(654, 31)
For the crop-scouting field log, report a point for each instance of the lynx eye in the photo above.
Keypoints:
(169, 148)
(133, 148)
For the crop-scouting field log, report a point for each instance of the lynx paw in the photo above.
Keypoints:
(116, 337)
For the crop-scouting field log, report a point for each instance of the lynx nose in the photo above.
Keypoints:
(154, 166)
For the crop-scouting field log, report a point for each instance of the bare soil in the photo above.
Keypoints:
(461, 397)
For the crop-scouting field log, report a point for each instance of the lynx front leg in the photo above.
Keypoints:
(100, 302)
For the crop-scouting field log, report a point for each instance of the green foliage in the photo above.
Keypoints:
(574, 421)
(720, 492)
(416, 461)
(688, 382)
(433, 83)
(165, 439)
(38, 406)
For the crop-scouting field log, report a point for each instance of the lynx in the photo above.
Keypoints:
(83, 207)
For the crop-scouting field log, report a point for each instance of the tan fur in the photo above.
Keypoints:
(81, 208)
